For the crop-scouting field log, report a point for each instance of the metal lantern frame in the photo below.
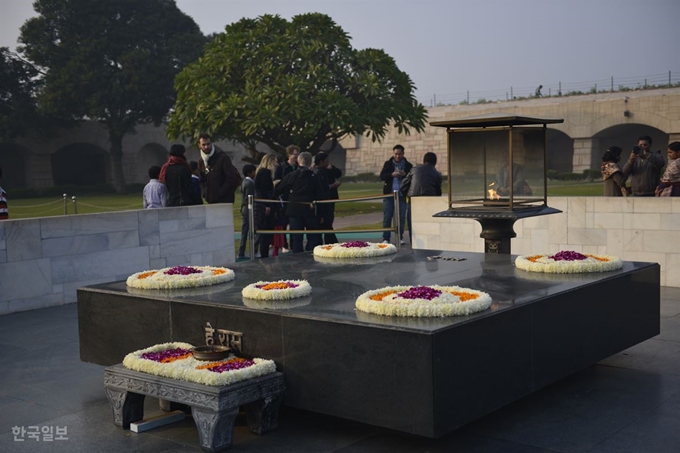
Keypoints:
(497, 216)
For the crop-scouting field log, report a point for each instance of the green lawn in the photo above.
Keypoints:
(41, 207)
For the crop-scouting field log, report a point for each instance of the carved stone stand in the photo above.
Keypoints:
(214, 409)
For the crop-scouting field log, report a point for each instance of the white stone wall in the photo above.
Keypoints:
(43, 261)
(634, 229)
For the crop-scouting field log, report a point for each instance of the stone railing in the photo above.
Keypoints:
(43, 261)
(634, 229)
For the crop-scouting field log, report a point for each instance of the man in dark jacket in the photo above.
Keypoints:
(393, 172)
(289, 166)
(300, 188)
(328, 174)
(424, 180)
(644, 168)
(219, 177)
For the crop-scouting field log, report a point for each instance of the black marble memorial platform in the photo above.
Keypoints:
(426, 376)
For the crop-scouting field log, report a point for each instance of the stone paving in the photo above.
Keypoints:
(629, 402)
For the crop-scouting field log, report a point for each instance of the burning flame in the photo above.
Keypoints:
(493, 195)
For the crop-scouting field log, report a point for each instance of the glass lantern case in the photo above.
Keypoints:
(497, 170)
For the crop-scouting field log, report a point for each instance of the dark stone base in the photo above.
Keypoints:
(214, 409)
(426, 376)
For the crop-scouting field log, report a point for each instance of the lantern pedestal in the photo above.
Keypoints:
(497, 224)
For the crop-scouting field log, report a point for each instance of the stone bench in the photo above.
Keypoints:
(213, 408)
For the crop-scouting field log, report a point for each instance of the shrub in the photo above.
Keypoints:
(592, 174)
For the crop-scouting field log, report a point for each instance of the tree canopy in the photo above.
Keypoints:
(18, 82)
(271, 81)
(113, 61)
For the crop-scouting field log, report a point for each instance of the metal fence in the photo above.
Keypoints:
(253, 231)
(611, 84)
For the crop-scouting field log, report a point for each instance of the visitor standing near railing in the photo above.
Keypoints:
(155, 194)
(644, 168)
(393, 172)
(301, 188)
(422, 181)
(612, 175)
(670, 181)
(4, 213)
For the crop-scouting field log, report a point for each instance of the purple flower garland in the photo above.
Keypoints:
(568, 255)
(182, 270)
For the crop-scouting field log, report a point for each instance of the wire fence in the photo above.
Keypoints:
(65, 206)
(611, 84)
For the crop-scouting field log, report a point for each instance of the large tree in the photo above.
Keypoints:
(18, 82)
(271, 81)
(113, 61)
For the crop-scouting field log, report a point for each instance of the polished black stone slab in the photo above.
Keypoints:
(425, 376)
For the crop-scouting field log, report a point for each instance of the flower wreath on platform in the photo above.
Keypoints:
(354, 249)
(423, 301)
(568, 262)
(279, 290)
(175, 361)
(180, 277)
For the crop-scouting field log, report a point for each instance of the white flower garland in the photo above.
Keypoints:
(338, 251)
(593, 263)
(362, 260)
(446, 304)
(157, 279)
(252, 291)
(185, 369)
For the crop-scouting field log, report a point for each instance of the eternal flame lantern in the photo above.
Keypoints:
(497, 173)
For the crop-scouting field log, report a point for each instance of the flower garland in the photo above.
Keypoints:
(174, 360)
(370, 260)
(568, 262)
(279, 290)
(180, 277)
(422, 301)
(354, 249)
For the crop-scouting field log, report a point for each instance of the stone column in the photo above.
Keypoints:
(584, 151)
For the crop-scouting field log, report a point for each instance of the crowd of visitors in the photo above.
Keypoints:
(642, 170)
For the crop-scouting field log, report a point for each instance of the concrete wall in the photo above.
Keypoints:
(43, 261)
(634, 229)
(584, 118)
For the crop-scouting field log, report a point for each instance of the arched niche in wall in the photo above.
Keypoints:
(80, 164)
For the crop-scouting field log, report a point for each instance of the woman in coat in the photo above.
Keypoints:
(614, 180)
(265, 212)
(176, 175)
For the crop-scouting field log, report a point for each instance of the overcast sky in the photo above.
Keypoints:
(485, 46)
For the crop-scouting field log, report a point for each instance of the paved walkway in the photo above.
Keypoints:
(628, 403)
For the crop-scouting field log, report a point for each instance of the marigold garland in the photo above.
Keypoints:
(279, 290)
(168, 360)
(179, 277)
(568, 262)
(423, 301)
(354, 249)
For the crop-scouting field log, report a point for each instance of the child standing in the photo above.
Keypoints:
(155, 193)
